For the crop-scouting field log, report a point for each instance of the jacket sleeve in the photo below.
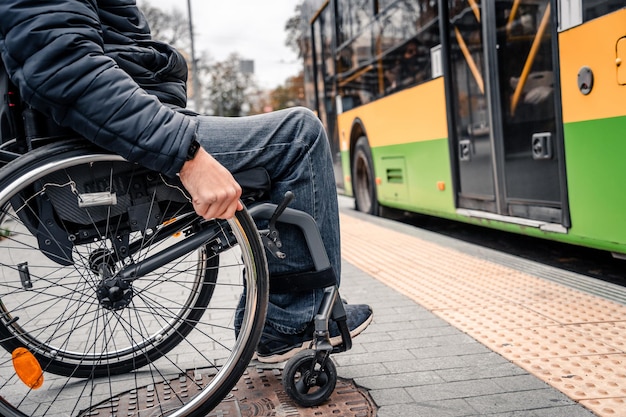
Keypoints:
(53, 51)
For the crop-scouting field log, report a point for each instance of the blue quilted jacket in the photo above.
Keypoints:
(91, 65)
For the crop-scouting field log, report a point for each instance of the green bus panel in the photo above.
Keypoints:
(596, 173)
(347, 175)
(410, 175)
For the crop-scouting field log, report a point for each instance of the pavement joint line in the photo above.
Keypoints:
(572, 340)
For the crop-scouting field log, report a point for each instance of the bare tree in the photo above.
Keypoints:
(170, 27)
(294, 28)
(225, 90)
(297, 27)
(173, 28)
(290, 94)
(229, 89)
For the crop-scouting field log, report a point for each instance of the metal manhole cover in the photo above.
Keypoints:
(259, 392)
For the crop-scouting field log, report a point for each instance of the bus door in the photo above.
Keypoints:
(504, 120)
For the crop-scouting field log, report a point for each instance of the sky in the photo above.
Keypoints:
(254, 29)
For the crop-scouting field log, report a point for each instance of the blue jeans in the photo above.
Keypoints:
(292, 146)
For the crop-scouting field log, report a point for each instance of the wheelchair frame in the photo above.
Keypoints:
(309, 378)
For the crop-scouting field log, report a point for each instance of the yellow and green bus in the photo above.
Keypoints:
(507, 114)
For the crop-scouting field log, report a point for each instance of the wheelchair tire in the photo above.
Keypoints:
(111, 286)
(306, 382)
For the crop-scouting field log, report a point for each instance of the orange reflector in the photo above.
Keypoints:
(441, 186)
(378, 181)
(27, 368)
(170, 221)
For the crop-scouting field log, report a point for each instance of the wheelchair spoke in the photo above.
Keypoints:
(114, 286)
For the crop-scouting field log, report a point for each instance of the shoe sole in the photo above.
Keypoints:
(278, 358)
(334, 341)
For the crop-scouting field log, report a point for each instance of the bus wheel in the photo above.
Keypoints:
(363, 180)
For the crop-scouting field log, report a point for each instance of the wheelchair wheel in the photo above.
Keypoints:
(306, 381)
(112, 288)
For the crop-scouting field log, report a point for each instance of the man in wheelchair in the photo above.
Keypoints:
(91, 66)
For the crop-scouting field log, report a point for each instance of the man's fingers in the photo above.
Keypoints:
(214, 191)
(226, 210)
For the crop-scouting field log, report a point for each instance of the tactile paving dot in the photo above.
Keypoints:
(580, 308)
(493, 317)
(572, 340)
(611, 333)
(606, 406)
(583, 377)
(552, 341)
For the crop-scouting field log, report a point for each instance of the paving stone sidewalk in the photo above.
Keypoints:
(415, 364)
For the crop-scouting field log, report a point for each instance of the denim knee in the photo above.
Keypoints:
(309, 126)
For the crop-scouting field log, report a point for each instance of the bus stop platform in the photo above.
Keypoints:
(460, 330)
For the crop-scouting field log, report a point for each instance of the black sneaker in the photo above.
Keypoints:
(276, 347)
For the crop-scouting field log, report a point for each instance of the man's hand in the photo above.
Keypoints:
(214, 191)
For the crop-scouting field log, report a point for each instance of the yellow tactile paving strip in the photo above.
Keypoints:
(574, 341)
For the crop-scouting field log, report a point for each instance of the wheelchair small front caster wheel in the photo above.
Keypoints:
(306, 381)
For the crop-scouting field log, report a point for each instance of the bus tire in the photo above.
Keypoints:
(363, 178)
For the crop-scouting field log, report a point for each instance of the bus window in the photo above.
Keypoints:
(388, 55)
(597, 8)
(352, 16)
(322, 38)
(397, 25)
(362, 46)
(357, 81)
(408, 31)
(406, 66)
(383, 4)
(360, 88)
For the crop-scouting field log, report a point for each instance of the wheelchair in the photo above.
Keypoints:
(111, 286)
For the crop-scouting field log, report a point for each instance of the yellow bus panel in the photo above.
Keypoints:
(413, 115)
(594, 45)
